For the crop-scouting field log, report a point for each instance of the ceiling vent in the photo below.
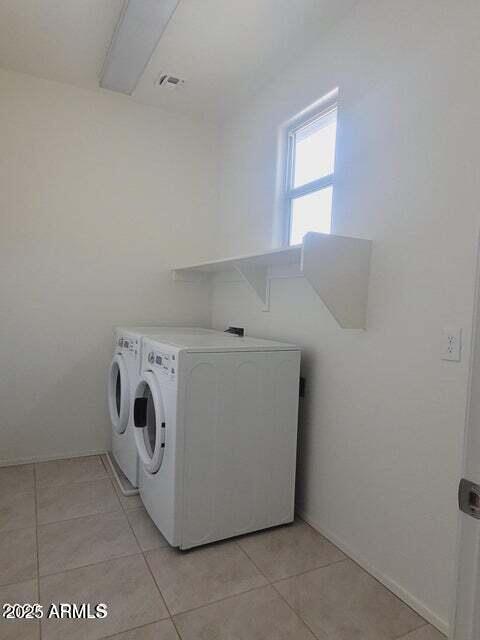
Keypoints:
(167, 81)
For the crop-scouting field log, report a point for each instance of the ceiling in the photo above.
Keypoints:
(225, 50)
(64, 40)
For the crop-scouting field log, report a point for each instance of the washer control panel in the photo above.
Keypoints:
(162, 362)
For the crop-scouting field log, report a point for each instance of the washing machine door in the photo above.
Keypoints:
(150, 423)
(118, 393)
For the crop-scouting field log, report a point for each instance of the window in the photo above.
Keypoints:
(310, 170)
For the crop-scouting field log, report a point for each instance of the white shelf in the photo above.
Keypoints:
(337, 267)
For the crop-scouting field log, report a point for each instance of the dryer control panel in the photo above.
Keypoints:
(128, 344)
(163, 362)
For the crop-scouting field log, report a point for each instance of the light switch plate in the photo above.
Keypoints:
(452, 344)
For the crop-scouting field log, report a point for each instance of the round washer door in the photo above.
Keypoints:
(150, 423)
(118, 394)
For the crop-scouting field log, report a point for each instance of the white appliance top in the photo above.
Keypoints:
(217, 341)
(160, 330)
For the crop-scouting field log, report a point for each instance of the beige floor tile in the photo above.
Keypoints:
(426, 632)
(147, 534)
(289, 550)
(18, 556)
(124, 584)
(194, 578)
(128, 502)
(257, 615)
(59, 472)
(75, 500)
(346, 603)
(23, 592)
(163, 630)
(75, 543)
(17, 510)
(17, 479)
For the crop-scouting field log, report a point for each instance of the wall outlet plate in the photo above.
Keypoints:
(452, 344)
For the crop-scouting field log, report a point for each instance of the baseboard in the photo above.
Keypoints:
(122, 481)
(391, 585)
(57, 456)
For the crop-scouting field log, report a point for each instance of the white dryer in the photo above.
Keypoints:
(123, 377)
(216, 430)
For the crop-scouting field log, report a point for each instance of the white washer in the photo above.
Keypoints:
(216, 430)
(123, 378)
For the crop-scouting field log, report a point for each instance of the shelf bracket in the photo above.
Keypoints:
(338, 268)
(256, 276)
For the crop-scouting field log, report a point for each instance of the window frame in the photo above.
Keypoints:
(328, 104)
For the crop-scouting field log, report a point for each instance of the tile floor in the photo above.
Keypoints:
(66, 535)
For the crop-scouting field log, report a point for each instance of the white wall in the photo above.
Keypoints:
(384, 416)
(99, 196)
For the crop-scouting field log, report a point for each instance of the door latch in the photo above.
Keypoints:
(469, 498)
